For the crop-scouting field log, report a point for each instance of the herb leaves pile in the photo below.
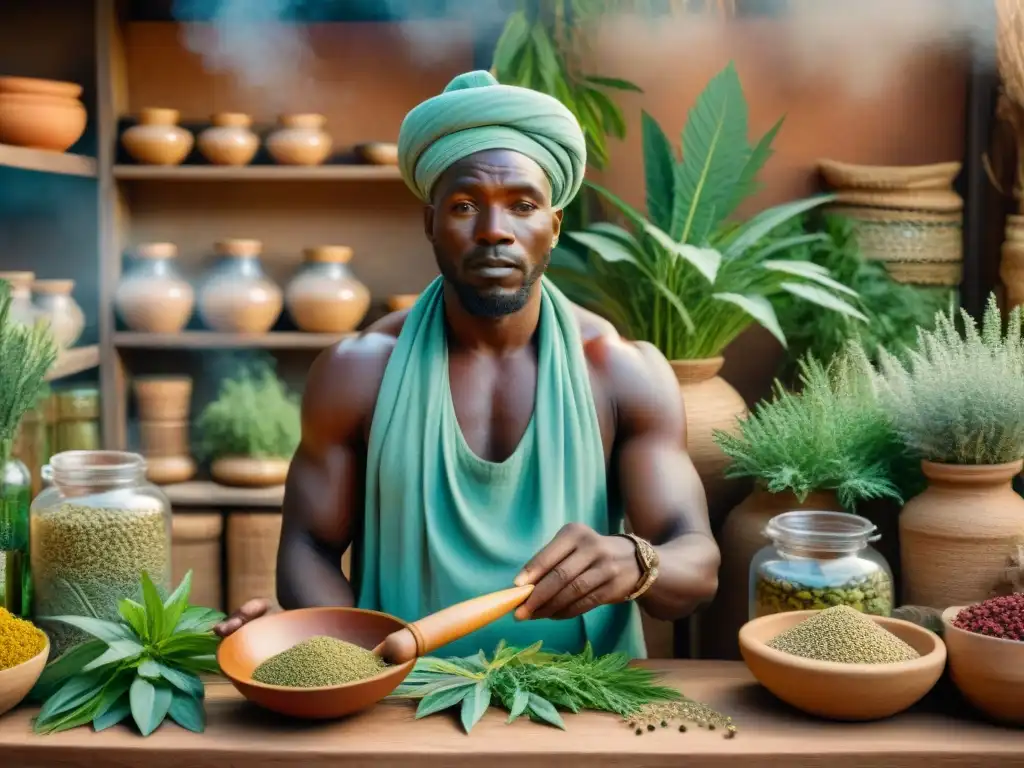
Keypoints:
(531, 682)
(146, 665)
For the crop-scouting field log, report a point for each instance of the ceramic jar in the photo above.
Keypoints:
(54, 301)
(22, 309)
(153, 297)
(238, 297)
(324, 296)
(230, 140)
(158, 139)
(300, 140)
(41, 114)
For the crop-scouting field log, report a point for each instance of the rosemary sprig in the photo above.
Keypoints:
(532, 682)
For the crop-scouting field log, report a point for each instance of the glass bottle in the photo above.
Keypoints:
(94, 530)
(53, 300)
(15, 576)
(237, 296)
(817, 560)
(152, 296)
(78, 420)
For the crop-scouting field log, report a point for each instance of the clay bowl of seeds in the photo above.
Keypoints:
(17, 681)
(326, 663)
(840, 664)
(987, 670)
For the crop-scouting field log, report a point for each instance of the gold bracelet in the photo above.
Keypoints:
(648, 559)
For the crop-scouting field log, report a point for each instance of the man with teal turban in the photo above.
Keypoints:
(495, 433)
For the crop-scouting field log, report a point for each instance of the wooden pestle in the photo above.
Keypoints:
(438, 629)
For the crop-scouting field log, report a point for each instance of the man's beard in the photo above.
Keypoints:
(496, 303)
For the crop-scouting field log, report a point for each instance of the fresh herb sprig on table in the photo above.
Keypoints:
(146, 665)
(531, 682)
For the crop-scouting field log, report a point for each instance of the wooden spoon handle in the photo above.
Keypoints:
(438, 629)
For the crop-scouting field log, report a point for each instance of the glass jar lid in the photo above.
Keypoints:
(821, 531)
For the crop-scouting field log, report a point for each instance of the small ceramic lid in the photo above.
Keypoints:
(302, 120)
(231, 120)
(159, 116)
(156, 250)
(18, 279)
(329, 254)
(239, 248)
(53, 287)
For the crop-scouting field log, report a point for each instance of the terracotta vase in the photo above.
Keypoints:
(158, 139)
(41, 120)
(711, 403)
(741, 538)
(153, 297)
(324, 296)
(54, 300)
(245, 471)
(957, 536)
(238, 297)
(163, 398)
(230, 140)
(300, 140)
(166, 470)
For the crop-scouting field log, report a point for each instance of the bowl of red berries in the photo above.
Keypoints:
(985, 652)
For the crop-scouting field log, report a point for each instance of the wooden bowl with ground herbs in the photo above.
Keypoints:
(841, 664)
(24, 649)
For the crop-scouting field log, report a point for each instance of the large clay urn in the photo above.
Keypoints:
(324, 296)
(300, 140)
(957, 536)
(741, 538)
(711, 403)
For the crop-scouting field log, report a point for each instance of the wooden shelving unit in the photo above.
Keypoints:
(47, 162)
(357, 173)
(213, 340)
(74, 361)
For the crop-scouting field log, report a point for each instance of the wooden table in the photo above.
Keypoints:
(770, 736)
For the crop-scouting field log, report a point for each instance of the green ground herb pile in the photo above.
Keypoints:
(531, 682)
(317, 662)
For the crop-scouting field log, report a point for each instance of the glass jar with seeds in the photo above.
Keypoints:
(817, 560)
(94, 530)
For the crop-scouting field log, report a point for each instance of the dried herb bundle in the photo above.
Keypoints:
(531, 682)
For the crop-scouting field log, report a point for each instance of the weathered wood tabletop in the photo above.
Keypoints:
(770, 735)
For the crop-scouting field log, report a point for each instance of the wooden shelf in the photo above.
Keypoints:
(214, 340)
(257, 173)
(209, 494)
(45, 161)
(74, 361)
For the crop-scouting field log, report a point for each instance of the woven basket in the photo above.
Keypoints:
(847, 176)
(197, 547)
(934, 201)
(252, 539)
(916, 246)
(1011, 272)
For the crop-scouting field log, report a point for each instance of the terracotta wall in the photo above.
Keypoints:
(868, 96)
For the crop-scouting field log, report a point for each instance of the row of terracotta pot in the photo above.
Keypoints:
(41, 114)
(47, 300)
(299, 139)
(237, 296)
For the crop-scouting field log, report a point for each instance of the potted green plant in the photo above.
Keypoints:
(251, 430)
(958, 404)
(26, 356)
(684, 279)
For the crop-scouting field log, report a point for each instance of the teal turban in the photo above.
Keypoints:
(475, 113)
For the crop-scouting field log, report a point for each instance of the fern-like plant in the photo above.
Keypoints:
(959, 398)
(253, 416)
(832, 435)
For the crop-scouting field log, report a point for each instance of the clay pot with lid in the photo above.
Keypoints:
(41, 114)
(324, 296)
(22, 309)
(238, 297)
(230, 140)
(300, 139)
(957, 536)
(153, 297)
(158, 139)
(54, 301)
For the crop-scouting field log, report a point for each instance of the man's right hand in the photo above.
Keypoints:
(252, 610)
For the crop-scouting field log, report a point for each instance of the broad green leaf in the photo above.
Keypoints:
(149, 704)
(612, 119)
(514, 655)
(206, 663)
(547, 58)
(183, 680)
(659, 172)
(154, 611)
(135, 615)
(799, 269)
(73, 693)
(113, 715)
(756, 160)
(197, 619)
(759, 308)
(107, 631)
(614, 82)
(823, 298)
(149, 669)
(715, 152)
(73, 718)
(69, 663)
(189, 644)
(444, 698)
(118, 651)
(475, 704)
(785, 244)
(519, 703)
(704, 260)
(607, 248)
(635, 217)
(177, 602)
(567, 258)
(510, 42)
(616, 232)
(187, 712)
(756, 227)
(544, 710)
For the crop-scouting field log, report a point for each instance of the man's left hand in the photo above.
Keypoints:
(578, 571)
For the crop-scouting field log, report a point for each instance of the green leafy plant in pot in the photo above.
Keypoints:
(825, 447)
(251, 431)
(684, 279)
(957, 402)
